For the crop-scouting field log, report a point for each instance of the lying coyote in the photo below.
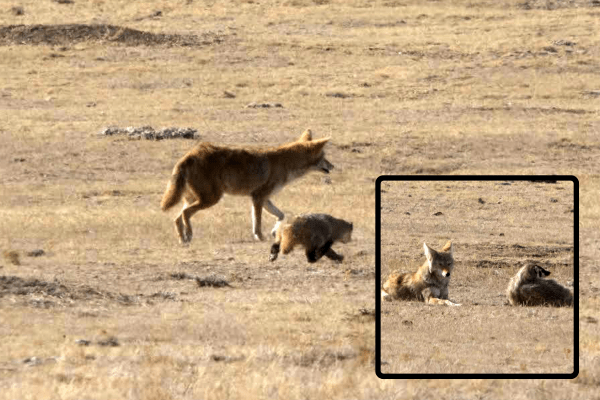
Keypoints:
(530, 288)
(428, 284)
(316, 232)
(207, 171)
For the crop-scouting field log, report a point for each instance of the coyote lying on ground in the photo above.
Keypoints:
(428, 284)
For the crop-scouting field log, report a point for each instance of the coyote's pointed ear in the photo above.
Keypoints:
(306, 136)
(448, 247)
(429, 253)
(316, 146)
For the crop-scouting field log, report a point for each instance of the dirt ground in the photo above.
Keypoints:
(98, 299)
(496, 228)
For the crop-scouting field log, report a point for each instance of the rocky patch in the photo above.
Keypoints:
(74, 33)
(149, 133)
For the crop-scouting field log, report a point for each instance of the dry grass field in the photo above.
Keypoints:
(496, 227)
(113, 309)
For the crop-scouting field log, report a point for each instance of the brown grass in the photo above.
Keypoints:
(402, 87)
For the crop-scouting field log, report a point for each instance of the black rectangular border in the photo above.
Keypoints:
(533, 178)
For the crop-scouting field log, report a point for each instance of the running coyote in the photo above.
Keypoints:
(207, 171)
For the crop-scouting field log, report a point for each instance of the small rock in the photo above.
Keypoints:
(550, 49)
(109, 131)
(438, 213)
(212, 281)
(83, 342)
(111, 342)
(181, 276)
(228, 95)
(338, 95)
(36, 253)
(481, 201)
(227, 359)
(553, 201)
(264, 105)
(31, 361)
(564, 43)
(593, 93)
(17, 11)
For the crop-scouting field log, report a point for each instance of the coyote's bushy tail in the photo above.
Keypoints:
(174, 187)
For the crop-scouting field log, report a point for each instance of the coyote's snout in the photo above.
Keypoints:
(428, 284)
(207, 171)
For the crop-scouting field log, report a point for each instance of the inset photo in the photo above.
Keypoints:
(477, 276)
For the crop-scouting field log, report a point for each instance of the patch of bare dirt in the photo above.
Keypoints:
(75, 33)
(515, 255)
(20, 286)
(53, 293)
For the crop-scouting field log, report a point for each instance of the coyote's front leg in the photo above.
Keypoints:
(433, 300)
(276, 212)
(437, 297)
(257, 205)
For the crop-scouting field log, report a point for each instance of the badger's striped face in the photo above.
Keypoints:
(539, 271)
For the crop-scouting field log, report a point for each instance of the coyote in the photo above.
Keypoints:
(530, 288)
(207, 171)
(316, 232)
(428, 284)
